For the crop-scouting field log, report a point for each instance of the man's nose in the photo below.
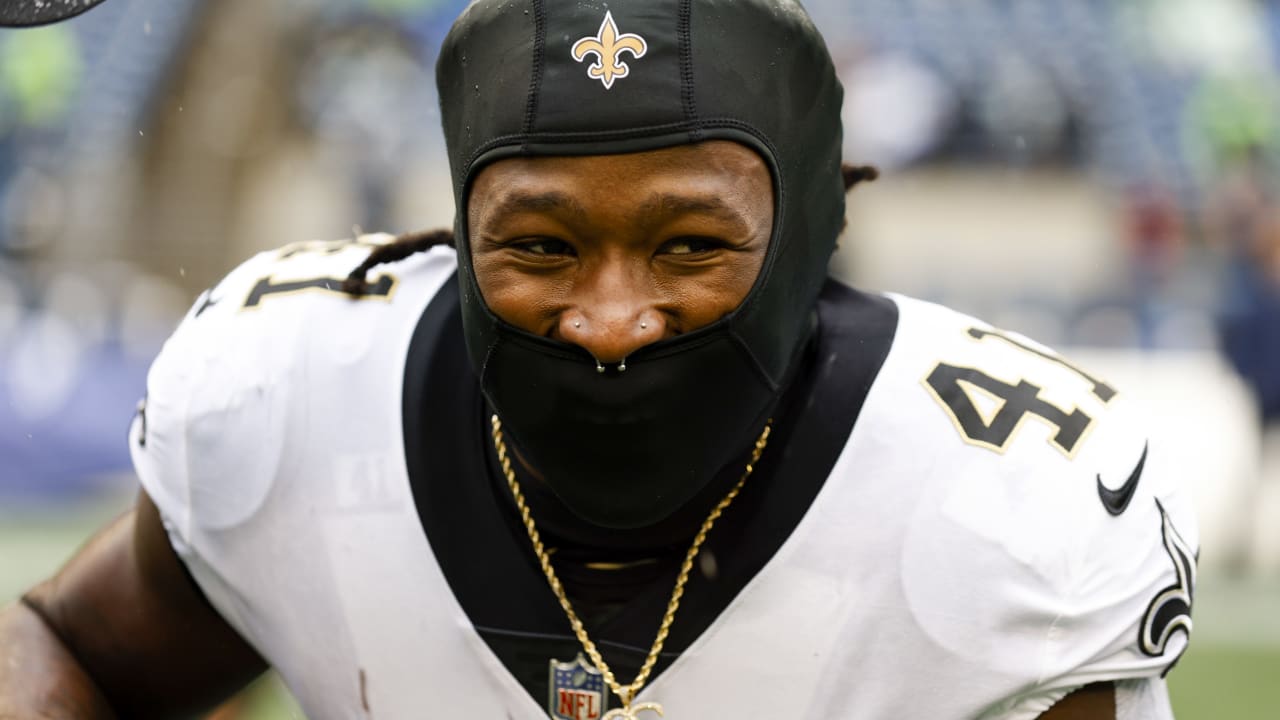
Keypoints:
(612, 329)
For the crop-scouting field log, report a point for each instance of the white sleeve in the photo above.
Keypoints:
(157, 438)
(1125, 616)
(1146, 699)
(1140, 699)
(205, 441)
(1054, 565)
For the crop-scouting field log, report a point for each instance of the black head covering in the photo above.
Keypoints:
(524, 77)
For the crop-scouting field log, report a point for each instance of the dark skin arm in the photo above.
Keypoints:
(1091, 702)
(120, 631)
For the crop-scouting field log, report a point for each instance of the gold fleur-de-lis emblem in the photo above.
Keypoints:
(607, 45)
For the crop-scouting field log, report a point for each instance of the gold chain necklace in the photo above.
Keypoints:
(625, 693)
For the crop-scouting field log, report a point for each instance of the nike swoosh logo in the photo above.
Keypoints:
(1115, 501)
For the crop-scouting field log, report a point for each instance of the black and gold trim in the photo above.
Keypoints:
(1170, 610)
(383, 288)
(1101, 389)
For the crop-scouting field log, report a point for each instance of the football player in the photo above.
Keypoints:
(616, 446)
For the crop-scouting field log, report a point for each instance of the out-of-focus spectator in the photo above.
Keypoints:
(896, 109)
(1155, 241)
(40, 71)
(1245, 223)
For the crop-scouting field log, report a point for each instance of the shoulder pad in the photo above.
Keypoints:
(236, 375)
(1044, 489)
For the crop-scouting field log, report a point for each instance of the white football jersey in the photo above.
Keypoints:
(997, 531)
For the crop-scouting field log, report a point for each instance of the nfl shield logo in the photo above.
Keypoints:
(577, 691)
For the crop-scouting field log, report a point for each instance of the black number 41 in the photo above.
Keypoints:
(1012, 402)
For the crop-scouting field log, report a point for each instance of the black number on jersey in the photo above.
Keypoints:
(1170, 609)
(269, 286)
(266, 287)
(1014, 402)
(1007, 404)
(1102, 390)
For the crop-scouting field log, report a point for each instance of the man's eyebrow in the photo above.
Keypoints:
(677, 204)
(516, 201)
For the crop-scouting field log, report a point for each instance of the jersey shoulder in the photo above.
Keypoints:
(1003, 410)
(1041, 482)
(988, 393)
(300, 281)
(255, 351)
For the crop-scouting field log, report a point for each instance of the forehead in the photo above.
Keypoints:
(712, 176)
(719, 166)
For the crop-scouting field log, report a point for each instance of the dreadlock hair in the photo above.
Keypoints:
(398, 249)
(409, 243)
(854, 174)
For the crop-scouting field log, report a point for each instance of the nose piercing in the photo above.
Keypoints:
(643, 325)
(622, 366)
(577, 323)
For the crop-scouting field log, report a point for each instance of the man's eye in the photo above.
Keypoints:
(690, 245)
(544, 246)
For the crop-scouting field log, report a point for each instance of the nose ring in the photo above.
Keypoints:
(622, 366)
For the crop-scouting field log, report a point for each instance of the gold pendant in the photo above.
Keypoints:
(632, 713)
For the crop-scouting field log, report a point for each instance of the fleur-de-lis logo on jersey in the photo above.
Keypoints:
(607, 45)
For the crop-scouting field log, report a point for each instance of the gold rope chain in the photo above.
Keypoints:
(625, 693)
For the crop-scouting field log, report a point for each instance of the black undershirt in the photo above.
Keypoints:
(619, 582)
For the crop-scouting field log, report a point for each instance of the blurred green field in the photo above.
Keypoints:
(1218, 681)
(1231, 672)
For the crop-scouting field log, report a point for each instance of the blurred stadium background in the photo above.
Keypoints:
(1103, 175)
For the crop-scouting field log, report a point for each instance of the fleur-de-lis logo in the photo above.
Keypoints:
(607, 45)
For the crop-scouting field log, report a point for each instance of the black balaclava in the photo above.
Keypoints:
(627, 448)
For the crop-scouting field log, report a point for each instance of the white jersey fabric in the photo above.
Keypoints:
(934, 576)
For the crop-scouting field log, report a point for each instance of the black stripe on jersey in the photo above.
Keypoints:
(482, 549)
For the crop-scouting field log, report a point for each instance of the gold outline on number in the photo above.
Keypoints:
(272, 279)
(1048, 354)
(1017, 426)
